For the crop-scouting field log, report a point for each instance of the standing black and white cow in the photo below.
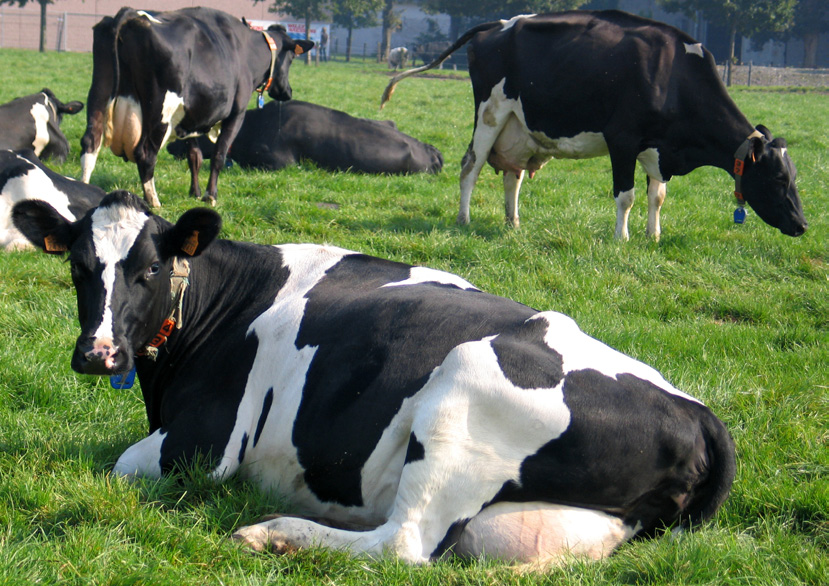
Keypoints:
(381, 394)
(33, 122)
(181, 73)
(284, 133)
(584, 84)
(23, 176)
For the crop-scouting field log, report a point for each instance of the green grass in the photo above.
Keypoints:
(735, 315)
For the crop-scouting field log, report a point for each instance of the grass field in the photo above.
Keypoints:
(736, 315)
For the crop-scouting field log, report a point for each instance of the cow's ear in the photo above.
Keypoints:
(303, 46)
(764, 131)
(193, 232)
(43, 226)
(71, 108)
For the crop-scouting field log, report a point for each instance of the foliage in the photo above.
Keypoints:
(307, 9)
(485, 9)
(351, 14)
(735, 315)
(748, 17)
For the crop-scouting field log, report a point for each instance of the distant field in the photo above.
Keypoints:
(737, 316)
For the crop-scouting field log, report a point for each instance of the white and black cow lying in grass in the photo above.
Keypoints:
(374, 393)
(284, 133)
(23, 176)
(583, 84)
(33, 122)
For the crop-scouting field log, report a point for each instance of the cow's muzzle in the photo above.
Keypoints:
(100, 356)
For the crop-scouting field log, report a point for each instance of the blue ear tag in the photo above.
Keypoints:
(260, 101)
(123, 381)
(739, 215)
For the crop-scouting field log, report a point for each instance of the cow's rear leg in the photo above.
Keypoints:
(624, 167)
(487, 129)
(512, 186)
(656, 197)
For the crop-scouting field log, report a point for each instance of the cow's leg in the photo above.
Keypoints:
(91, 143)
(489, 126)
(142, 459)
(624, 168)
(656, 197)
(512, 185)
(146, 155)
(194, 162)
(230, 128)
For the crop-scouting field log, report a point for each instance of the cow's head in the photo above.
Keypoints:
(768, 183)
(60, 108)
(287, 48)
(121, 258)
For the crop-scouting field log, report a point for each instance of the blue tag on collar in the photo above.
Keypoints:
(260, 101)
(123, 381)
(740, 215)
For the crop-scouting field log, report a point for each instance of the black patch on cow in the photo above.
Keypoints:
(376, 346)
(243, 447)
(415, 451)
(453, 534)
(625, 437)
(263, 416)
(12, 166)
(525, 358)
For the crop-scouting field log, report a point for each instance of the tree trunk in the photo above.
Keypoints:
(42, 25)
(308, 36)
(388, 27)
(810, 41)
(731, 42)
(348, 46)
(455, 27)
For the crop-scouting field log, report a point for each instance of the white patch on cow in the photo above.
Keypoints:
(172, 112)
(148, 16)
(40, 113)
(35, 184)
(541, 533)
(649, 159)
(142, 459)
(624, 202)
(114, 232)
(580, 352)
(273, 462)
(418, 275)
(508, 24)
(694, 49)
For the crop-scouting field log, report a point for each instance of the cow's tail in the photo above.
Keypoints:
(124, 15)
(440, 59)
(711, 494)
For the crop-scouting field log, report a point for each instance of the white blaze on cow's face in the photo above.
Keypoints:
(114, 232)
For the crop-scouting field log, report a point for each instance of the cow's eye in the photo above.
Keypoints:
(153, 269)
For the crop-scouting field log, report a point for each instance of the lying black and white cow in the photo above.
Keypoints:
(584, 84)
(23, 176)
(33, 122)
(283, 133)
(181, 73)
(380, 394)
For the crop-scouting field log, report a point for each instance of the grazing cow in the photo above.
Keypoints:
(583, 84)
(23, 176)
(396, 398)
(398, 57)
(284, 133)
(33, 122)
(182, 73)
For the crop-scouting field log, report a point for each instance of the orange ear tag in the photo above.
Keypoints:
(191, 244)
(298, 50)
(51, 244)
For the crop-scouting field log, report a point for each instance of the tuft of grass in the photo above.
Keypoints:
(735, 315)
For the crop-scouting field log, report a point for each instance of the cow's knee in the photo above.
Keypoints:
(142, 459)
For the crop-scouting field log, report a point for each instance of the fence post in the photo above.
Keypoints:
(364, 51)
(750, 63)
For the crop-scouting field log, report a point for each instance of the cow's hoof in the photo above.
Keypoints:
(260, 539)
(463, 220)
(209, 199)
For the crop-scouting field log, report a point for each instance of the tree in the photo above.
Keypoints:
(746, 17)
(391, 22)
(811, 18)
(43, 3)
(306, 9)
(351, 14)
(461, 11)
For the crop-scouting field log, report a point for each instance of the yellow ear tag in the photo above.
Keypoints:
(298, 50)
(191, 244)
(51, 244)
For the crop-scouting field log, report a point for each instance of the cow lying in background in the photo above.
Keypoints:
(180, 73)
(284, 133)
(380, 394)
(23, 176)
(583, 84)
(33, 122)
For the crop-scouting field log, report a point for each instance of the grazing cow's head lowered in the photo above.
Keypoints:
(768, 182)
(121, 259)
